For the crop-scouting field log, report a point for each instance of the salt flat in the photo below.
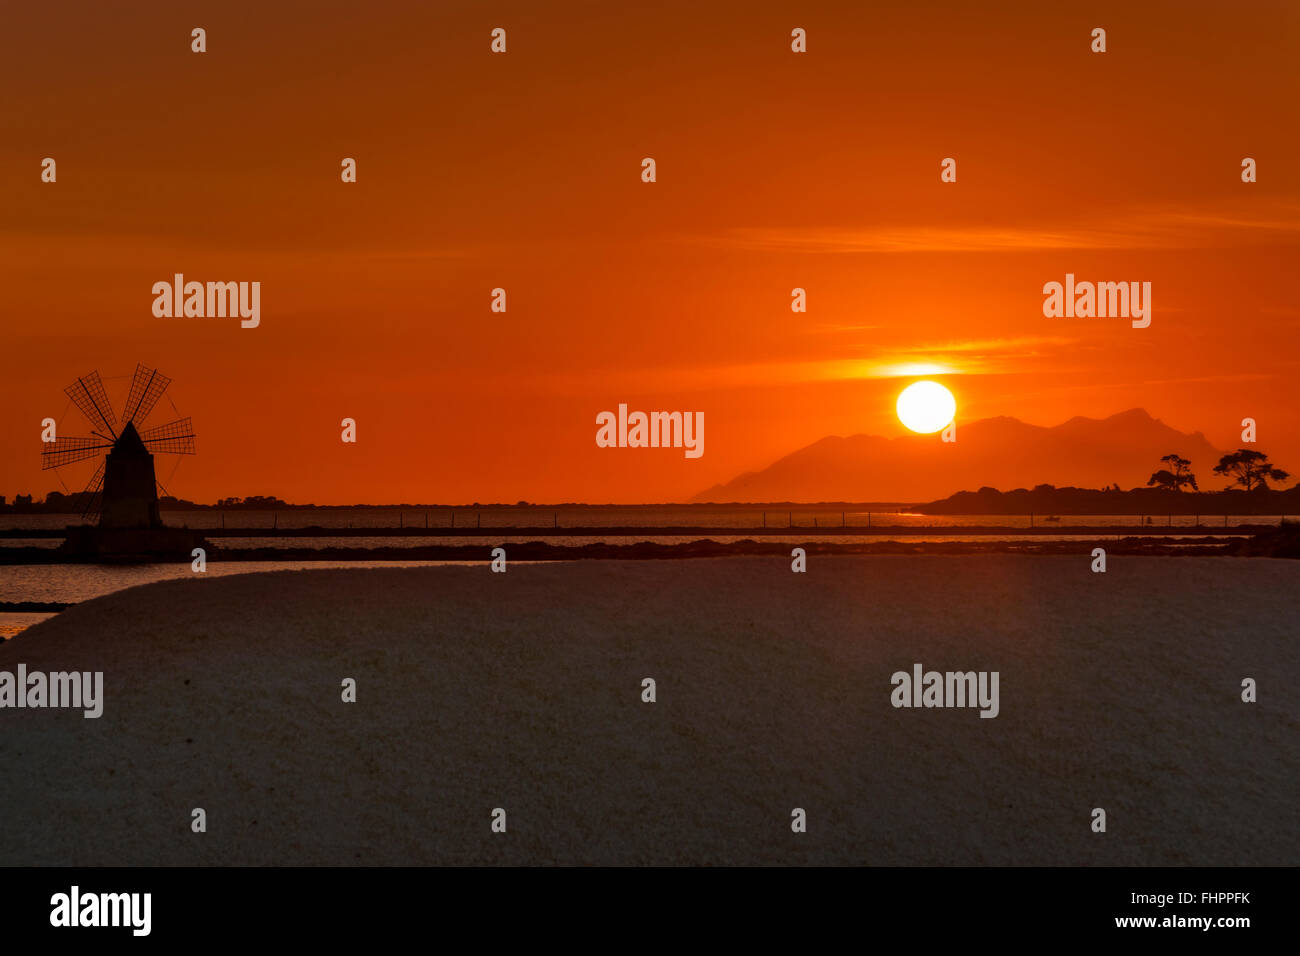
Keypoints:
(523, 691)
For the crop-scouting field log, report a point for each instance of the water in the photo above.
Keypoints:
(598, 516)
(11, 624)
(73, 583)
(798, 536)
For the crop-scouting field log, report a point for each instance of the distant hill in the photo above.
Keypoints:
(1001, 452)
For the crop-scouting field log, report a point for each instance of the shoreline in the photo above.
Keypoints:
(628, 531)
(535, 552)
(1150, 545)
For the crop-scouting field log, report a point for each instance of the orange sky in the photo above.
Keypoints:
(522, 170)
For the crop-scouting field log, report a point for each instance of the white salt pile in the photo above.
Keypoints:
(523, 691)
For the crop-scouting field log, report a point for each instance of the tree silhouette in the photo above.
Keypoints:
(1175, 479)
(1250, 469)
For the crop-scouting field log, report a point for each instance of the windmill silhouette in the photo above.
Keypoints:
(124, 489)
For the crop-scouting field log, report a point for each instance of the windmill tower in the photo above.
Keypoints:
(124, 488)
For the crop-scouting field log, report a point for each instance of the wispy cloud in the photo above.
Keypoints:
(1146, 229)
(1226, 378)
(1020, 345)
(969, 357)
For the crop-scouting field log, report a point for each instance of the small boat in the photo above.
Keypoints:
(1052, 518)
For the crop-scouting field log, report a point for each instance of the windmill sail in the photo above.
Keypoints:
(147, 386)
(88, 394)
(175, 438)
(65, 451)
(91, 500)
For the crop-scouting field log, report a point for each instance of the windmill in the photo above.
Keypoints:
(123, 490)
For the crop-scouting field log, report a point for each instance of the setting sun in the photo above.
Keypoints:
(926, 407)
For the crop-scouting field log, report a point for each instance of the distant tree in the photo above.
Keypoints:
(1250, 469)
(260, 501)
(1167, 480)
(1175, 476)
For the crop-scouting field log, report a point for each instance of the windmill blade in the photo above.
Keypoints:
(65, 451)
(147, 386)
(174, 438)
(88, 394)
(91, 500)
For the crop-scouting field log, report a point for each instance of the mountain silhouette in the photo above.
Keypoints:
(1001, 452)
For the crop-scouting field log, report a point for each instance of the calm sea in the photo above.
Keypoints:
(610, 516)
